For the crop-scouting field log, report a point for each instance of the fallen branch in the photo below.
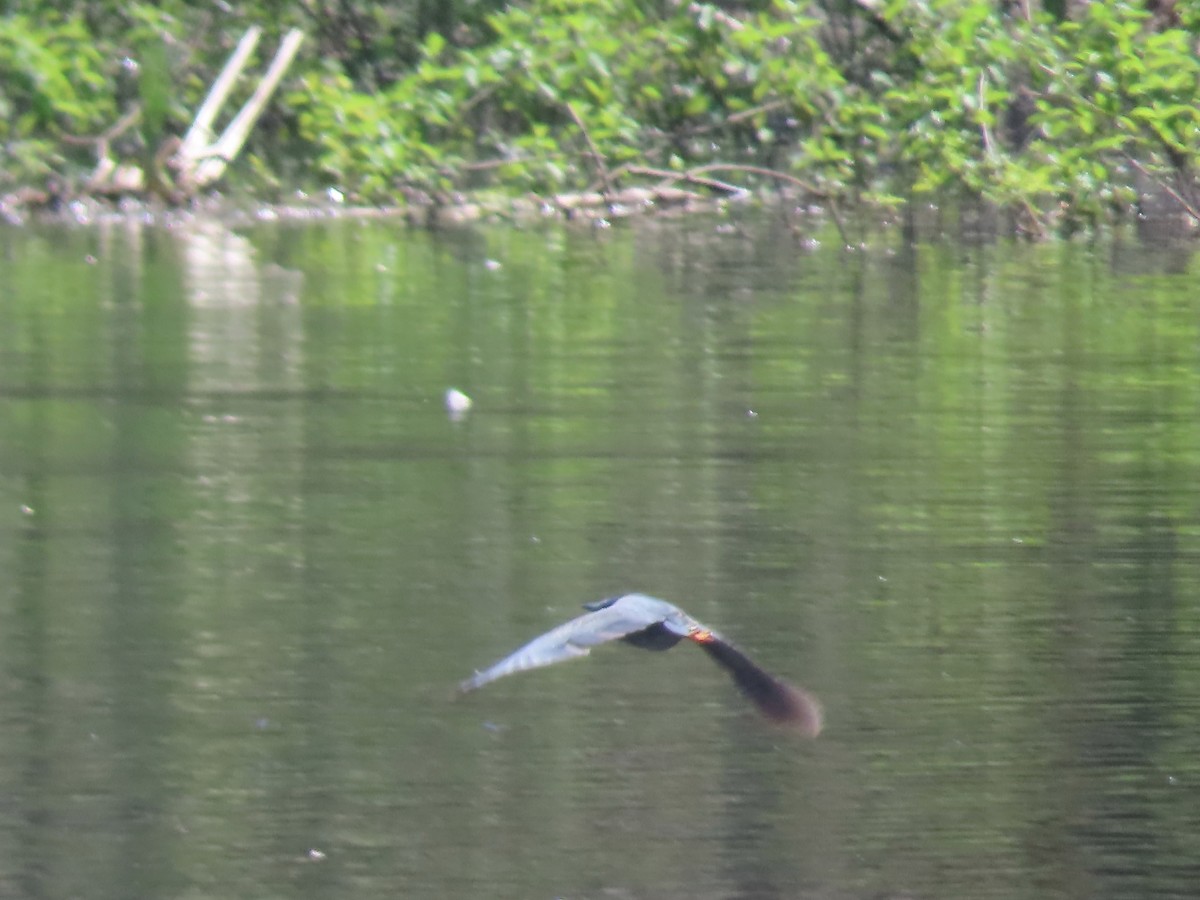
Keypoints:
(109, 176)
(762, 172)
(201, 164)
(688, 177)
(775, 174)
(200, 135)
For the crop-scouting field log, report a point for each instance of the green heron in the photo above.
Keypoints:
(653, 624)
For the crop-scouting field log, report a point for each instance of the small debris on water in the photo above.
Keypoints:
(457, 403)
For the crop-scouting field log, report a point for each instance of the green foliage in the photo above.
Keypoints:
(52, 83)
(1065, 116)
(1116, 91)
(563, 80)
(69, 71)
(1037, 114)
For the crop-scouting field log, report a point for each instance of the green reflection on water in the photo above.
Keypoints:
(951, 488)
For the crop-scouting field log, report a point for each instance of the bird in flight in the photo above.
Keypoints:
(653, 624)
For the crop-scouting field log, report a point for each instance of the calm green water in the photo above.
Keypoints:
(245, 557)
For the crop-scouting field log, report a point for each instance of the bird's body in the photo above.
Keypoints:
(652, 624)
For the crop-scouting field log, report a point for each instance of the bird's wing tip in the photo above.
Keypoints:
(468, 684)
(807, 714)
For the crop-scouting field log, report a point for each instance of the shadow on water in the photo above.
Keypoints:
(950, 487)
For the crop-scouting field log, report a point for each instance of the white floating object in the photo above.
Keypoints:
(457, 402)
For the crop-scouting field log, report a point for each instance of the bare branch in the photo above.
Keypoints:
(596, 155)
(1170, 191)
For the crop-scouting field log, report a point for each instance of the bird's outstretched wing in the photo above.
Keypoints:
(574, 638)
(775, 698)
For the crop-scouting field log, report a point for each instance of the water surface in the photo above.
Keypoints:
(951, 488)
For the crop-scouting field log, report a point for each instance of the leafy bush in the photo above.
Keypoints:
(1116, 100)
(1055, 118)
(1064, 118)
(52, 84)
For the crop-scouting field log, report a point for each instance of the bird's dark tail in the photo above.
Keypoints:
(778, 701)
